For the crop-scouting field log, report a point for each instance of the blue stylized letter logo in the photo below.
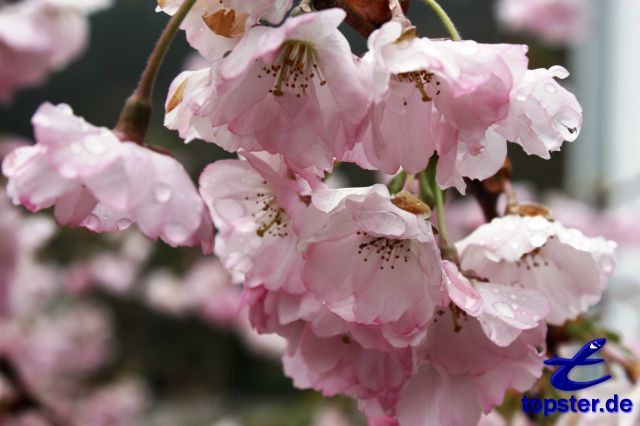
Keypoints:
(560, 378)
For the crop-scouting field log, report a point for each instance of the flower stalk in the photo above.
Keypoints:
(446, 20)
(136, 113)
(447, 248)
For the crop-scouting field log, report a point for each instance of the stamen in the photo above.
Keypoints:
(389, 250)
(420, 79)
(272, 220)
(294, 68)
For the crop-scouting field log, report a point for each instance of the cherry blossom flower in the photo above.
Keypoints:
(532, 252)
(503, 311)
(214, 27)
(96, 181)
(371, 242)
(38, 37)
(323, 354)
(558, 22)
(466, 367)
(294, 88)
(252, 203)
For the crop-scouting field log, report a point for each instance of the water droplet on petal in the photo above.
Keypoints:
(94, 145)
(513, 297)
(504, 310)
(607, 264)
(162, 193)
(469, 47)
(176, 233)
(559, 71)
(551, 88)
(92, 222)
(123, 224)
(537, 223)
(521, 97)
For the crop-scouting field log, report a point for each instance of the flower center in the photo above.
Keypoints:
(269, 216)
(533, 259)
(388, 250)
(421, 79)
(294, 68)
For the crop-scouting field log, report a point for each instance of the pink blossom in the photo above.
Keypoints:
(555, 21)
(532, 252)
(372, 243)
(118, 404)
(214, 27)
(542, 114)
(323, 354)
(205, 290)
(252, 203)
(38, 37)
(419, 82)
(294, 88)
(502, 310)
(466, 367)
(96, 181)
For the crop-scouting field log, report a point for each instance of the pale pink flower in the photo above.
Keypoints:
(38, 37)
(438, 97)
(252, 203)
(214, 27)
(97, 181)
(542, 114)
(558, 22)
(205, 290)
(371, 243)
(294, 88)
(115, 272)
(187, 93)
(118, 404)
(465, 369)
(502, 310)
(532, 252)
(324, 354)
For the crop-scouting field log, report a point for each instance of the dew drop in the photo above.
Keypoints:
(92, 222)
(521, 97)
(176, 233)
(94, 145)
(607, 264)
(538, 240)
(123, 224)
(549, 87)
(538, 223)
(162, 193)
(469, 47)
(504, 310)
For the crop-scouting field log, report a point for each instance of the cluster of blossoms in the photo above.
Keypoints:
(50, 344)
(372, 298)
(38, 37)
